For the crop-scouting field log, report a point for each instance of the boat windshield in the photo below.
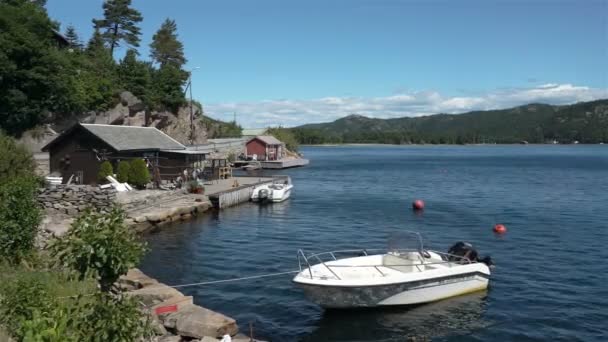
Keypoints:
(405, 241)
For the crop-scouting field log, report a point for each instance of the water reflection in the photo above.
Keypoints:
(454, 316)
(274, 209)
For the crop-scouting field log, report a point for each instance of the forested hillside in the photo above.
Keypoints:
(50, 74)
(586, 122)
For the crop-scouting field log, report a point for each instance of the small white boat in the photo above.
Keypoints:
(275, 192)
(254, 165)
(396, 277)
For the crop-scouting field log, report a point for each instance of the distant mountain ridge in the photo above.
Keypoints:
(586, 122)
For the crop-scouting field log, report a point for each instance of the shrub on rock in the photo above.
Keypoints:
(100, 245)
(139, 176)
(124, 169)
(105, 170)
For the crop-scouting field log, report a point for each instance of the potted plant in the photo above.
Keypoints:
(195, 187)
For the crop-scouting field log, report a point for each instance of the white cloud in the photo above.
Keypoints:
(296, 112)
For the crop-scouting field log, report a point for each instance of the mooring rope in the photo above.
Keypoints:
(202, 283)
(233, 279)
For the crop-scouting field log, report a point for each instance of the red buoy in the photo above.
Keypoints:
(418, 204)
(500, 229)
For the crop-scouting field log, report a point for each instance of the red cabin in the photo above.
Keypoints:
(265, 147)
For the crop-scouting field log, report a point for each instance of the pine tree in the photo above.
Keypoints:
(96, 45)
(119, 24)
(29, 65)
(168, 83)
(72, 37)
(165, 49)
(99, 72)
(135, 76)
(41, 3)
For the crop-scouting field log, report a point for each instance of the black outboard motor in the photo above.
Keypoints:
(263, 194)
(463, 252)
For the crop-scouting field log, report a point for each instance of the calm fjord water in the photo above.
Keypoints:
(550, 283)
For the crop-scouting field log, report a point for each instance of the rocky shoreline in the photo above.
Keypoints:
(175, 317)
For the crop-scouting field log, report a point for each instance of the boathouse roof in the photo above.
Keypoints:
(125, 138)
(252, 132)
(268, 140)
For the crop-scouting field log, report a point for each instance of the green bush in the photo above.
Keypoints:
(99, 245)
(15, 159)
(114, 318)
(53, 326)
(124, 169)
(286, 136)
(105, 170)
(33, 303)
(48, 306)
(20, 216)
(139, 176)
(19, 298)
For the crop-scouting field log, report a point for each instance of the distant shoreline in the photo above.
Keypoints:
(505, 144)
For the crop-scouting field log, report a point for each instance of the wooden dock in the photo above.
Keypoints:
(225, 193)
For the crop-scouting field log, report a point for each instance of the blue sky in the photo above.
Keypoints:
(292, 62)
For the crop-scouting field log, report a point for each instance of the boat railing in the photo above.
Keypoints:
(304, 261)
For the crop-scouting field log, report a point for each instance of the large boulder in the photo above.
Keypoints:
(169, 338)
(36, 138)
(131, 101)
(135, 279)
(197, 322)
(155, 294)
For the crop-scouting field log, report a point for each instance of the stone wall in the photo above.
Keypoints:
(73, 199)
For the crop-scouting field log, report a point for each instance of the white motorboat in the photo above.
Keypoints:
(254, 165)
(274, 192)
(393, 277)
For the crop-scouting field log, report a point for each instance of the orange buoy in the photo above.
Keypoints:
(418, 204)
(500, 229)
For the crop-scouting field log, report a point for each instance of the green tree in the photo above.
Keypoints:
(286, 136)
(168, 83)
(135, 76)
(96, 44)
(27, 65)
(124, 169)
(139, 175)
(105, 170)
(15, 159)
(165, 48)
(20, 216)
(99, 74)
(72, 37)
(119, 24)
(99, 245)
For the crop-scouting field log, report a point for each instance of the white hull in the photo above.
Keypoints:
(385, 280)
(437, 291)
(271, 193)
(278, 199)
(282, 197)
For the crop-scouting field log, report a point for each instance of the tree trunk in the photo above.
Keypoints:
(114, 38)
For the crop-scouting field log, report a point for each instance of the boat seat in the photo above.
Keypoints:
(403, 263)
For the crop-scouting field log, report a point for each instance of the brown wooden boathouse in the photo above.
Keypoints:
(80, 150)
